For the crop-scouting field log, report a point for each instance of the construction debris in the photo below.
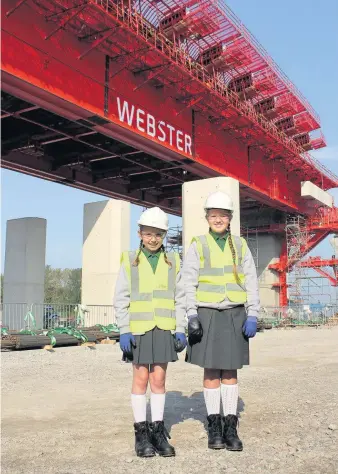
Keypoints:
(58, 337)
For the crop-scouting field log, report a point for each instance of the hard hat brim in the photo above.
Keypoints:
(220, 208)
(165, 229)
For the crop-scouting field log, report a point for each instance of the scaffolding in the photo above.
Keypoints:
(251, 236)
(174, 240)
(318, 290)
(296, 230)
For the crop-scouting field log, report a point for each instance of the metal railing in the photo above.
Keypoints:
(17, 316)
(299, 316)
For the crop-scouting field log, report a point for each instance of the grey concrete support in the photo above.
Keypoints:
(269, 249)
(106, 234)
(24, 275)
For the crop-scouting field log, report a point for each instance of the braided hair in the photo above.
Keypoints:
(165, 256)
(233, 253)
(137, 259)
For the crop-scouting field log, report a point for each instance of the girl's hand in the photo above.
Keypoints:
(195, 330)
(250, 326)
(180, 342)
(127, 340)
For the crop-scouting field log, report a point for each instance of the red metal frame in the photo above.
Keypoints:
(317, 263)
(333, 280)
(135, 29)
(319, 226)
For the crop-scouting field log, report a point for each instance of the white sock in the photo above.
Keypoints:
(139, 406)
(157, 401)
(212, 398)
(229, 399)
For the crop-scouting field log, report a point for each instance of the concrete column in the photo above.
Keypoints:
(106, 234)
(24, 275)
(193, 199)
(269, 249)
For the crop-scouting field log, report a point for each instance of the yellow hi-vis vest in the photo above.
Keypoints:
(216, 278)
(152, 295)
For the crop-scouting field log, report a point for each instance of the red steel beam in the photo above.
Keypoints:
(333, 281)
(284, 265)
(318, 262)
(39, 71)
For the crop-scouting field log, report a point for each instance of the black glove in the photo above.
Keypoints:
(195, 330)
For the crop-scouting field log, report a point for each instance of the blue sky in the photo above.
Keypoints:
(299, 36)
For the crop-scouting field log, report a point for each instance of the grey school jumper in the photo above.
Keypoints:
(189, 280)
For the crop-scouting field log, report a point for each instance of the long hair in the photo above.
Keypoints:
(233, 253)
(165, 256)
(137, 259)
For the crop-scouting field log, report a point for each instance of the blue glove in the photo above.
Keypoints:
(180, 342)
(127, 340)
(250, 326)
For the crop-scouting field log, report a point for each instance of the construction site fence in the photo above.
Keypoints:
(19, 316)
(299, 316)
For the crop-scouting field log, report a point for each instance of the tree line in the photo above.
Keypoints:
(62, 285)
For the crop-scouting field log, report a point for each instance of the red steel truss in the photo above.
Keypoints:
(230, 51)
(318, 264)
(319, 227)
(136, 34)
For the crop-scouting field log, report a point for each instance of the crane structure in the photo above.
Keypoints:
(131, 99)
(319, 264)
(302, 236)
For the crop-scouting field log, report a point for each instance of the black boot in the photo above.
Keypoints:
(159, 435)
(215, 432)
(232, 441)
(143, 445)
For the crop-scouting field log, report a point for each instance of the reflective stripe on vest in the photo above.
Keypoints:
(217, 280)
(155, 304)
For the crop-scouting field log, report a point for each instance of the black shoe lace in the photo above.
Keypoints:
(144, 436)
(217, 427)
(232, 431)
(232, 428)
(161, 433)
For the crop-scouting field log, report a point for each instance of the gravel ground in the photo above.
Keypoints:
(68, 411)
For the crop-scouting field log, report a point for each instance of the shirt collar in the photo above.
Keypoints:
(150, 254)
(218, 236)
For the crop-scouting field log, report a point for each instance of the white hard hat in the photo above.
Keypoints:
(154, 217)
(219, 200)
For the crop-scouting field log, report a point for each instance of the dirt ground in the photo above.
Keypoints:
(68, 411)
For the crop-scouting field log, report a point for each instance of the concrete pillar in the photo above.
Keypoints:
(24, 275)
(193, 199)
(269, 249)
(106, 234)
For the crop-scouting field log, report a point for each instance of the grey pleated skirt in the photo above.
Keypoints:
(154, 347)
(223, 345)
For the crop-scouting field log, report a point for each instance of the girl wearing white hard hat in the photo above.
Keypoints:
(222, 305)
(151, 331)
